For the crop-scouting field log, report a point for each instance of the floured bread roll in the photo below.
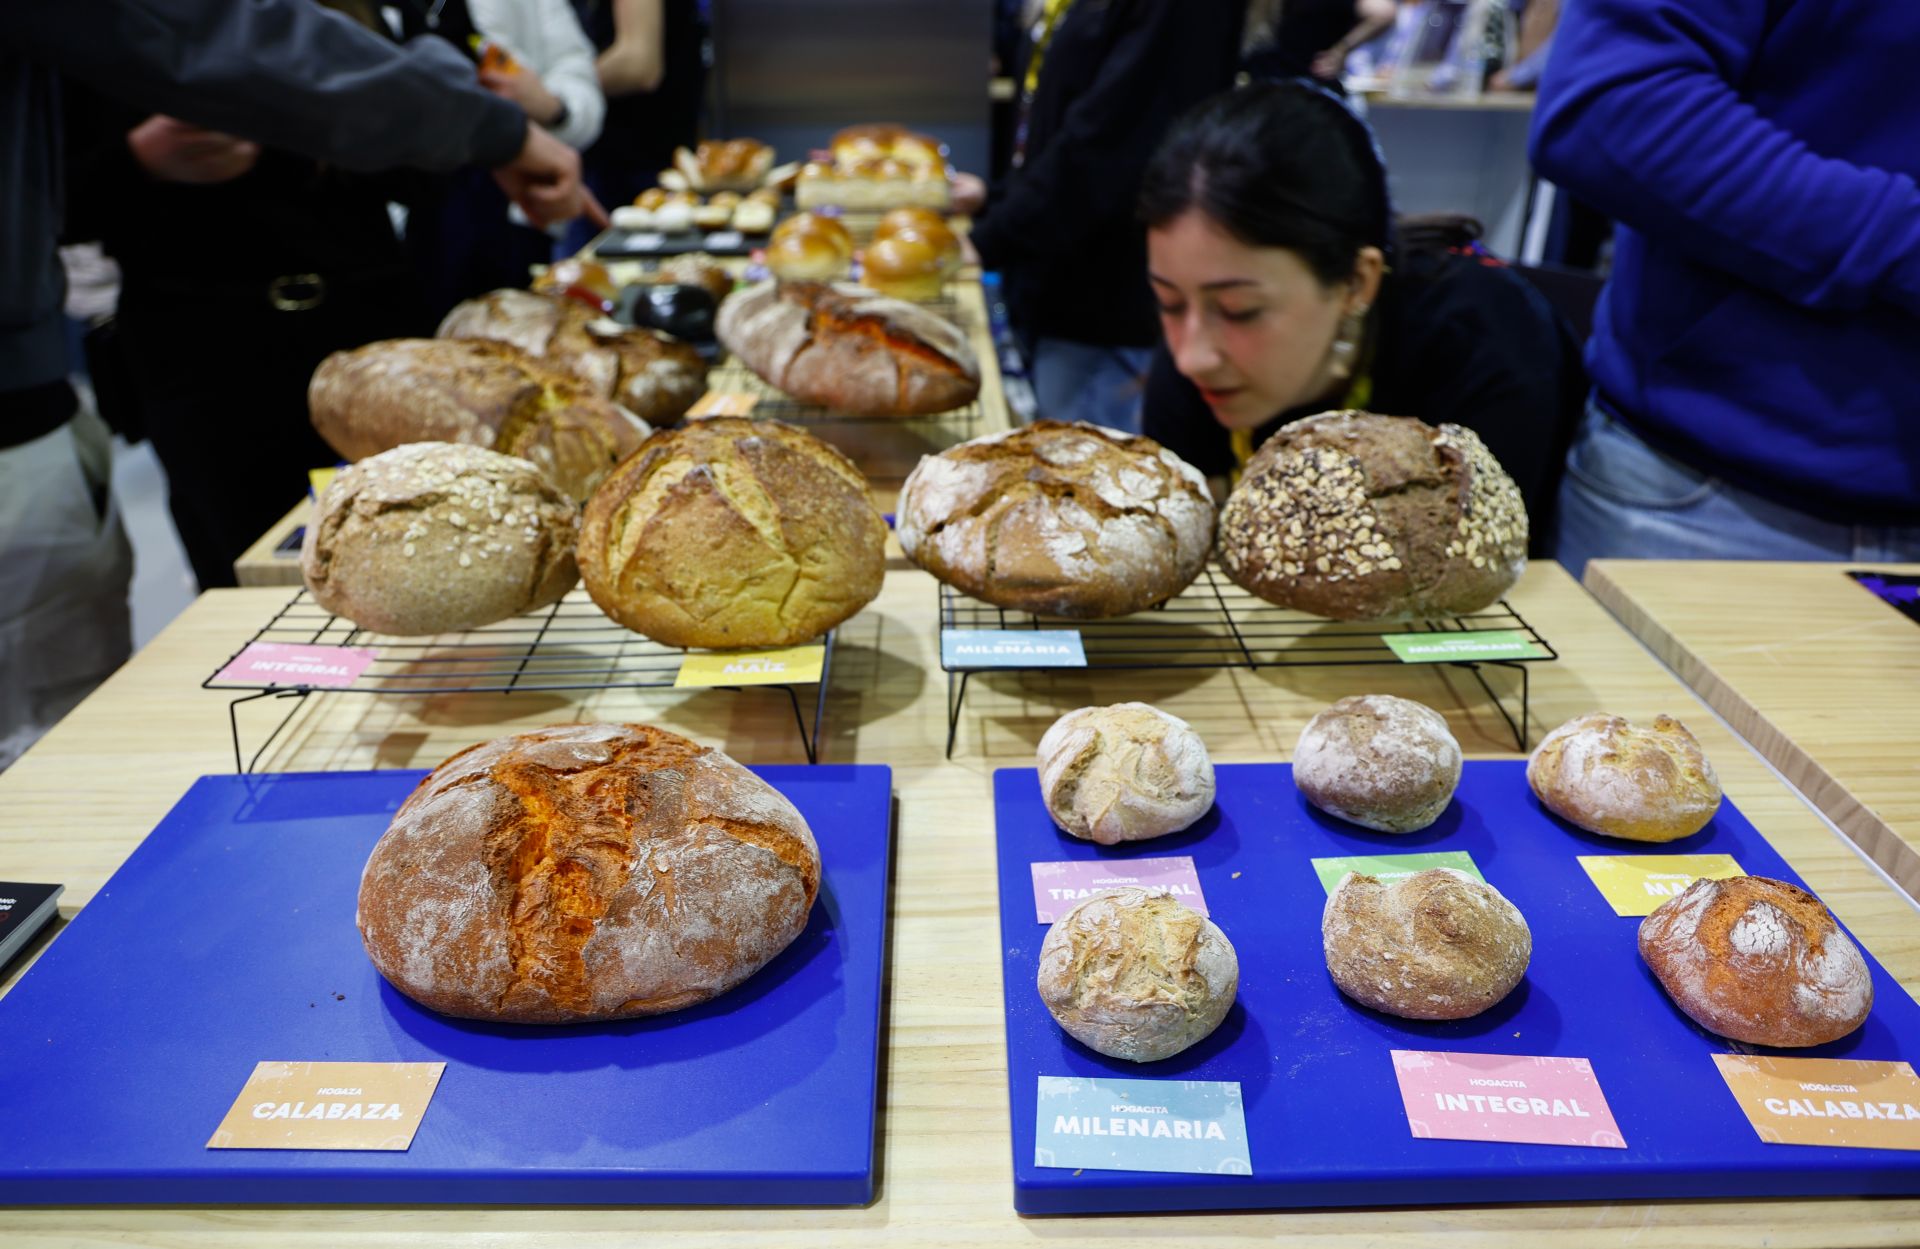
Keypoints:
(1437, 945)
(1135, 974)
(1758, 960)
(1382, 762)
(1620, 780)
(1124, 773)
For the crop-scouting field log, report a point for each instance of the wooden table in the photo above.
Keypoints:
(1818, 673)
(74, 806)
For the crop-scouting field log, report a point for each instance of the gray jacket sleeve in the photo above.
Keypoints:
(287, 73)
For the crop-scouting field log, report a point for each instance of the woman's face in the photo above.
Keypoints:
(1251, 327)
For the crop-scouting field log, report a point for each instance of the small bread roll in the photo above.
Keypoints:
(905, 267)
(673, 217)
(1614, 778)
(1758, 960)
(1124, 773)
(804, 258)
(1381, 762)
(820, 225)
(753, 216)
(899, 219)
(1135, 974)
(1437, 945)
(651, 198)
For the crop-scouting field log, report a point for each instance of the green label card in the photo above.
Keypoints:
(1440, 648)
(1102, 1124)
(1392, 867)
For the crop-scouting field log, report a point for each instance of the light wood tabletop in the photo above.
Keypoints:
(76, 804)
(1816, 671)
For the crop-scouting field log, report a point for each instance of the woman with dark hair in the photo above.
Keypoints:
(1285, 289)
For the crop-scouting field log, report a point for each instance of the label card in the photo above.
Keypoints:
(721, 239)
(1636, 884)
(318, 479)
(1503, 1097)
(1059, 887)
(724, 403)
(1438, 648)
(1011, 648)
(329, 1106)
(790, 665)
(289, 664)
(1826, 1101)
(1391, 868)
(1104, 1124)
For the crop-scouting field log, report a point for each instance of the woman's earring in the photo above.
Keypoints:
(1346, 344)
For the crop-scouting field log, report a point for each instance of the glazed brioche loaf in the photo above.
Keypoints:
(728, 532)
(1612, 777)
(1381, 762)
(1124, 773)
(1435, 945)
(1068, 520)
(585, 872)
(1354, 516)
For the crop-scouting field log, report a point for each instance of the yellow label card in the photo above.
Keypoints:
(320, 478)
(1826, 1101)
(791, 665)
(1636, 884)
(329, 1106)
(724, 403)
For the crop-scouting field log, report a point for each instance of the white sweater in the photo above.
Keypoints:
(546, 36)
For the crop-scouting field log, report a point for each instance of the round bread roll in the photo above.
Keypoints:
(439, 537)
(909, 218)
(805, 258)
(1360, 517)
(817, 225)
(1617, 779)
(1759, 961)
(1381, 762)
(582, 872)
(728, 533)
(1435, 945)
(1067, 520)
(904, 266)
(1135, 974)
(1124, 773)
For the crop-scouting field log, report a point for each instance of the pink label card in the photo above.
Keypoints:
(287, 664)
(1059, 887)
(1503, 1097)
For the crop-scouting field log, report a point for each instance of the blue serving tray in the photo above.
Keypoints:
(1324, 1116)
(228, 938)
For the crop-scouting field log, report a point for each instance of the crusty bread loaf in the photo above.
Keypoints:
(1361, 517)
(728, 532)
(1435, 945)
(724, 164)
(1069, 520)
(1615, 778)
(437, 537)
(1124, 773)
(1759, 961)
(1381, 762)
(849, 349)
(1135, 974)
(651, 374)
(582, 872)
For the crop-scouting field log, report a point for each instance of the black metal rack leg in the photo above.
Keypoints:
(233, 722)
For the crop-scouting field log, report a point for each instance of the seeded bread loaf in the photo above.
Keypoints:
(585, 872)
(1354, 516)
(1066, 520)
(1124, 773)
(436, 537)
(1434, 945)
(1612, 777)
(1381, 762)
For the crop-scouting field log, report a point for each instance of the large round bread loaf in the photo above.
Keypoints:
(1613, 777)
(1434, 945)
(1361, 517)
(437, 537)
(1385, 763)
(1066, 520)
(1759, 961)
(582, 872)
(1124, 773)
(728, 533)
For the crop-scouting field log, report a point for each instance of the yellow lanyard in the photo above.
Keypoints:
(1048, 23)
(1358, 395)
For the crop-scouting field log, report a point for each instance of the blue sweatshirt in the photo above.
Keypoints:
(1763, 318)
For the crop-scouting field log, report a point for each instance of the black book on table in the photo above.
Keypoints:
(24, 910)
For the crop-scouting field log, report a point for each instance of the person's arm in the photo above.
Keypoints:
(570, 74)
(1639, 117)
(636, 61)
(1375, 16)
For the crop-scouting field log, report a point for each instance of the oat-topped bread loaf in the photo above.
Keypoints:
(850, 349)
(437, 537)
(1434, 945)
(1384, 763)
(1066, 520)
(1124, 773)
(1354, 516)
(1616, 778)
(728, 532)
(653, 375)
(1759, 961)
(585, 872)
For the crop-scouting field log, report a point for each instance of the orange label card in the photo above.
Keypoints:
(329, 1106)
(724, 403)
(1826, 1101)
(1636, 884)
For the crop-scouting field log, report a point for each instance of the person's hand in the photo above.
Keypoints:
(969, 193)
(544, 179)
(1330, 64)
(523, 87)
(176, 151)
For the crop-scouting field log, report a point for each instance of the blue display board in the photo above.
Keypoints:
(228, 938)
(1325, 1120)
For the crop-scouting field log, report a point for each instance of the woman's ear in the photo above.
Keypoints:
(1368, 268)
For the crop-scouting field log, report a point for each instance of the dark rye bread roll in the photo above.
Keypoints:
(1065, 520)
(1354, 516)
(585, 872)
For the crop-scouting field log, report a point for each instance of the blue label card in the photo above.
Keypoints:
(1011, 648)
(1101, 1124)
